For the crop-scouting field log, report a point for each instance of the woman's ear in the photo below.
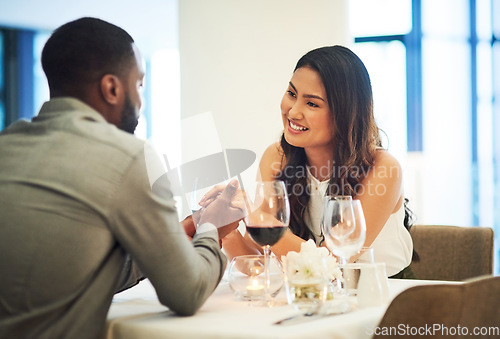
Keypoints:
(112, 89)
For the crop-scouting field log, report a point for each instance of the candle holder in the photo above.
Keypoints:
(247, 279)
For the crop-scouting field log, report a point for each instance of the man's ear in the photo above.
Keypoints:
(112, 89)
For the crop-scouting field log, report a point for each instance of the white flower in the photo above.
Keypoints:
(306, 266)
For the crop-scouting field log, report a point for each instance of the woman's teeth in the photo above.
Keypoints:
(296, 127)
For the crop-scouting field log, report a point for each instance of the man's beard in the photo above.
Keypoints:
(129, 120)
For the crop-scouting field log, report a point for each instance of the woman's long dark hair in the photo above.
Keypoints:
(355, 135)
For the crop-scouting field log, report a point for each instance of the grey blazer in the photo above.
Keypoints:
(79, 220)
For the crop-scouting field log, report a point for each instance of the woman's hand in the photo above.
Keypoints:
(211, 195)
(225, 209)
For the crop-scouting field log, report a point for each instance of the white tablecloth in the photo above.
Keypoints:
(136, 313)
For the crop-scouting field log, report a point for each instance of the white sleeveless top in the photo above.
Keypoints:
(393, 244)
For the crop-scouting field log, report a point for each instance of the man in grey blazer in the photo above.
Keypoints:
(83, 210)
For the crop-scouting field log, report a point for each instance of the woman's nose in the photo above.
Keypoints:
(295, 111)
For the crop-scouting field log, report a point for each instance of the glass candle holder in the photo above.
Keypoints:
(247, 279)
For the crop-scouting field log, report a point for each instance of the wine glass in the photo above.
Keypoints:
(267, 221)
(344, 229)
(344, 226)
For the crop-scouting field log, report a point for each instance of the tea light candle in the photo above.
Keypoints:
(255, 289)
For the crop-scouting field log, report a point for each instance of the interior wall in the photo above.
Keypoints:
(238, 56)
(150, 22)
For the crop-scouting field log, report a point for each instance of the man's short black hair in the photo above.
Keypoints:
(82, 51)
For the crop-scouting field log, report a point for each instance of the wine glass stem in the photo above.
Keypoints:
(267, 285)
(340, 284)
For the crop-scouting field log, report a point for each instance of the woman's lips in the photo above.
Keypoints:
(296, 128)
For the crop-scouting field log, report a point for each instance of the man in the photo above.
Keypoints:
(76, 199)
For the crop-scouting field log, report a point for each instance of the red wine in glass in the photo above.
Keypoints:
(267, 221)
(265, 235)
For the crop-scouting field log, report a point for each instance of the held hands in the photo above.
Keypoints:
(223, 207)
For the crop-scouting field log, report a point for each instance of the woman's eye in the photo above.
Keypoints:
(290, 93)
(312, 104)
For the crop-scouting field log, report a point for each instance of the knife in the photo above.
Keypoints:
(304, 317)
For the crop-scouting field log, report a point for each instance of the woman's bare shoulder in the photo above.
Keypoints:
(385, 172)
(384, 159)
(272, 161)
(273, 152)
(388, 173)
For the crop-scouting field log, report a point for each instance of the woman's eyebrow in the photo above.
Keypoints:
(310, 96)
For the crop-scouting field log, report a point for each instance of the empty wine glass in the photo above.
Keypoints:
(344, 226)
(267, 221)
(344, 229)
(360, 231)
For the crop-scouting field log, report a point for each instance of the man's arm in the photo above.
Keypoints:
(130, 275)
(145, 222)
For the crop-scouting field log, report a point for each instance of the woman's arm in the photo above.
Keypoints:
(236, 244)
(289, 242)
(381, 193)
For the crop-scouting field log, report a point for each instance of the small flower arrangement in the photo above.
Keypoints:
(309, 270)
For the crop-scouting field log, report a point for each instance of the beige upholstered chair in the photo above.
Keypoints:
(468, 305)
(452, 252)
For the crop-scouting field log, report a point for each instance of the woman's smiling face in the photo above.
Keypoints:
(307, 119)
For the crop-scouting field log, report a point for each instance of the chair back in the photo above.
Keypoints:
(444, 310)
(452, 252)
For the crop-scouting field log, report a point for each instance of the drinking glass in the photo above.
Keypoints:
(344, 226)
(344, 229)
(267, 221)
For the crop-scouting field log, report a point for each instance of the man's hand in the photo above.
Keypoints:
(189, 226)
(225, 210)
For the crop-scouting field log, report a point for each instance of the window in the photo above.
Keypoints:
(16, 75)
(40, 85)
(435, 70)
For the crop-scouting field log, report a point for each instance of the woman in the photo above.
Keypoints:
(330, 145)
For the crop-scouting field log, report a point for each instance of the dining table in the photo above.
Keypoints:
(137, 313)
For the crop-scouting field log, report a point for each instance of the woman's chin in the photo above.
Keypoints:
(292, 140)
